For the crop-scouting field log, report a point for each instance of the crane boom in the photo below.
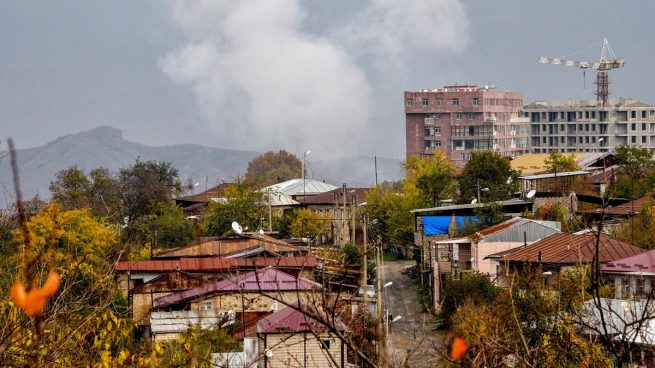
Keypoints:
(608, 61)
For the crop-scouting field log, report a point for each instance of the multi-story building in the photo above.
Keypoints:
(457, 120)
(586, 126)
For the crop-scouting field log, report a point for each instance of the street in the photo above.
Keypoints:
(413, 340)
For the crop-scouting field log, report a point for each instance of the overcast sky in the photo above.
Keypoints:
(314, 74)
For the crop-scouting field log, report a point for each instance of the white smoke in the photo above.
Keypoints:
(263, 82)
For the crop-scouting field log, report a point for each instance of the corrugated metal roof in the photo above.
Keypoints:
(514, 228)
(209, 264)
(290, 319)
(497, 228)
(263, 280)
(279, 199)
(234, 243)
(294, 187)
(553, 175)
(644, 262)
(570, 249)
(509, 202)
(329, 197)
(624, 209)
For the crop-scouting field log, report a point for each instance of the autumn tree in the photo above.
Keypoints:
(433, 176)
(273, 167)
(99, 190)
(70, 188)
(637, 163)
(310, 224)
(166, 227)
(559, 162)
(241, 203)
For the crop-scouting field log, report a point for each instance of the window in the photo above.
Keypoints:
(643, 126)
(428, 131)
(593, 114)
(633, 126)
(643, 114)
(458, 116)
(437, 130)
(325, 344)
(586, 127)
(586, 114)
(424, 102)
(633, 114)
(205, 305)
(543, 139)
(409, 103)
(593, 127)
(643, 139)
(634, 139)
(476, 101)
(437, 143)
(439, 102)
(455, 101)
(427, 145)
(471, 115)
(138, 282)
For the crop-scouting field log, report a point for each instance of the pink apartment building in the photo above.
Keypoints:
(457, 120)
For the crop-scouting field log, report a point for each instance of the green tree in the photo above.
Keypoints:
(167, 226)
(557, 162)
(273, 167)
(145, 185)
(104, 194)
(433, 176)
(242, 203)
(71, 188)
(637, 163)
(99, 190)
(490, 174)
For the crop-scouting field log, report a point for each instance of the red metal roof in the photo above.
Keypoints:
(209, 264)
(624, 209)
(290, 319)
(571, 249)
(263, 280)
(644, 262)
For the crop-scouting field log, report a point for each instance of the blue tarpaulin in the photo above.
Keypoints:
(434, 225)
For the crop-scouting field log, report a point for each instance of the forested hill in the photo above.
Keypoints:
(105, 147)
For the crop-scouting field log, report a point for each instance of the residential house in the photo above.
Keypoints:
(535, 163)
(613, 216)
(470, 252)
(560, 251)
(297, 189)
(244, 296)
(340, 204)
(196, 204)
(632, 277)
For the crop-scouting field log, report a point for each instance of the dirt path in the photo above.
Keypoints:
(413, 341)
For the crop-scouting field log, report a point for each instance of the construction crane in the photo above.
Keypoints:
(608, 61)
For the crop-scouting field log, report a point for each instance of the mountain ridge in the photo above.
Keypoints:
(104, 146)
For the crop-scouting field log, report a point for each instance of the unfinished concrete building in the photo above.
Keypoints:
(587, 126)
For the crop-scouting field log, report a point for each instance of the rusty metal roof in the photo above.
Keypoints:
(644, 262)
(215, 264)
(221, 246)
(625, 209)
(207, 195)
(174, 280)
(496, 228)
(268, 279)
(291, 319)
(570, 249)
(329, 197)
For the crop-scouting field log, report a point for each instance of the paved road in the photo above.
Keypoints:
(412, 342)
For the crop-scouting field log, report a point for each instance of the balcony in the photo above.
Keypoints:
(428, 121)
(489, 119)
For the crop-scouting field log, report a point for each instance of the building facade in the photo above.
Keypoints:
(457, 120)
(586, 126)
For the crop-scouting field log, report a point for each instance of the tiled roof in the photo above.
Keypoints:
(644, 262)
(234, 243)
(571, 249)
(290, 319)
(328, 197)
(624, 209)
(215, 264)
(294, 187)
(264, 280)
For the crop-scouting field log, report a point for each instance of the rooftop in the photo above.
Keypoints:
(641, 263)
(337, 195)
(291, 319)
(226, 246)
(295, 187)
(215, 264)
(207, 195)
(625, 209)
(266, 279)
(569, 249)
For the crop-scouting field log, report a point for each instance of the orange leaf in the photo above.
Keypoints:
(51, 283)
(35, 300)
(18, 294)
(458, 349)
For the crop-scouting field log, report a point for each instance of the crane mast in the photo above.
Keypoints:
(608, 61)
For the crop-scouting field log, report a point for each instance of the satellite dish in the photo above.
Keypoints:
(509, 180)
(237, 228)
(261, 232)
(531, 194)
(474, 201)
(269, 353)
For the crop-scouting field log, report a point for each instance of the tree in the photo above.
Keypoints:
(70, 188)
(242, 204)
(98, 190)
(433, 176)
(144, 185)
(310, 224)
(166, 227)
(104, 194)
(637, 163)
(489, 174)
(273, 167)
(557, 162)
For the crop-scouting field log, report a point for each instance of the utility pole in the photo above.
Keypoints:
(353, 219)
(364, 275)
(270, 213)
(382, 338)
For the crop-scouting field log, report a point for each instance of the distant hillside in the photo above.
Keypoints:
(105, 147)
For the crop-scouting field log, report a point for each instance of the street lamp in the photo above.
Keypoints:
(304, 157)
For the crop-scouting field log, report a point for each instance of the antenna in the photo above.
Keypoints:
(237, 228)
(531, 194)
